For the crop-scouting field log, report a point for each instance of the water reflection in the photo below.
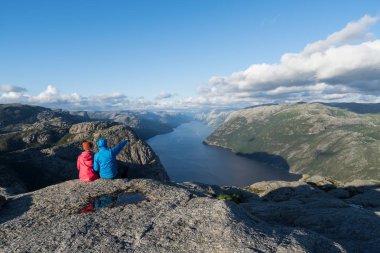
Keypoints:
(112, 200)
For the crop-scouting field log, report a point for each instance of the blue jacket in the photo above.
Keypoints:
(105, 159)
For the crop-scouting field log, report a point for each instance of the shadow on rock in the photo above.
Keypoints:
(346, 214)
(185, 218)
(14, 208)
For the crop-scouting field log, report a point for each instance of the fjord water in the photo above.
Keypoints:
(186, 158)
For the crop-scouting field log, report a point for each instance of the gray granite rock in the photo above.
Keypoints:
(353, 222)
(171, 218)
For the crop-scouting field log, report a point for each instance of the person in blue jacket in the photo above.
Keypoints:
(105, 160)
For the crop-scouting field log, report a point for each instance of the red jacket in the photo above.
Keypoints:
(85, 165)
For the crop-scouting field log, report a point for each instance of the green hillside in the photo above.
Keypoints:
(312, 138)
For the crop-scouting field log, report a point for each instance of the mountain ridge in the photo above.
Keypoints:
(311, 138)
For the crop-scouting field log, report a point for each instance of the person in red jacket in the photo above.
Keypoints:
(85, 163)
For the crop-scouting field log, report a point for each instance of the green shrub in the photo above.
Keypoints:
(231, 197)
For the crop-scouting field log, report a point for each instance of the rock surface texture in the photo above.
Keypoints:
(173, 218)
(351, 218)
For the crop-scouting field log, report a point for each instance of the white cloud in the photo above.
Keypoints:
(354, 31)
(52, 97)
(341, 68)
(327, 66)
(12, 96)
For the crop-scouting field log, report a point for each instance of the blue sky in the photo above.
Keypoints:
(161, 50)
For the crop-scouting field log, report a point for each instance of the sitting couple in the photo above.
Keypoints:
(102, 164)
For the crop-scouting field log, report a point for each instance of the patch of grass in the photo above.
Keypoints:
(231, 197)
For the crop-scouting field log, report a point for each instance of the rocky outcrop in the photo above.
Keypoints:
(39, 168)
(39, 147)
(169, 218)
(143, 215)
(138, 156)
(345, 213)
(24, 126)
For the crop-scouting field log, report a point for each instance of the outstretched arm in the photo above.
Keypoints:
(116, 150)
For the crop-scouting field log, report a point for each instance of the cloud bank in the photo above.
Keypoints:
(53, 98)
(344, 67)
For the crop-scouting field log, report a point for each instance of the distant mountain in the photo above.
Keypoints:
(145, 124)
(307, 138)
(357, 107)
(25, 126)
(213, 118)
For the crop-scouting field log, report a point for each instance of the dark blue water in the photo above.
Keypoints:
(186, 158)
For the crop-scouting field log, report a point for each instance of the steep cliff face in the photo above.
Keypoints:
(40, 148)
(314, 214)
(311, 138)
